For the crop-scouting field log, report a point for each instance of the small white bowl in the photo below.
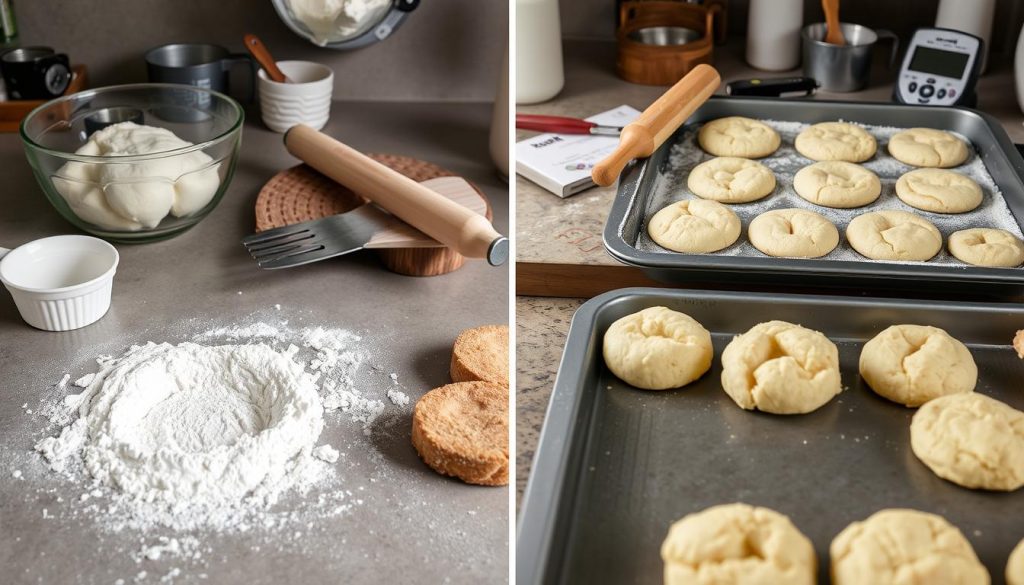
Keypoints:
(307, 101)
(61, 282)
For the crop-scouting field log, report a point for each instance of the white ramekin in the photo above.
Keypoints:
(307, 101)
(61, 282)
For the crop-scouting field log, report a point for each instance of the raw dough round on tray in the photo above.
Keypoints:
(1015, 566)
(904, 547)
(793, 233)
(731, 180)
(912, 364)
(927, 147)
(737, 544)
(481, 353)
(781, 368)
(939, 191)
(738, 136)
(836, 141)
(695, 226)
(971, 440)
(987, 247)
(836, 183)
(657, 348)
(894, 235)
(461, 430)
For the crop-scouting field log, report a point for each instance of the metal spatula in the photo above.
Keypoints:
(366, 227)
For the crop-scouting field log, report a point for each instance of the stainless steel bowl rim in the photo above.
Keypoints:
(805, 33)
(135, 157)
(636, 35)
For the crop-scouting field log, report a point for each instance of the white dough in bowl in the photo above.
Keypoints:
(331, 20)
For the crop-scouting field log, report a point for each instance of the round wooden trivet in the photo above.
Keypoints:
(301, 194)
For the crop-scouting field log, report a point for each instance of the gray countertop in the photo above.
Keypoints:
(411, 521)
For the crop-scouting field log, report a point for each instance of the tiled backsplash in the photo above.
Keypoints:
(448, 50)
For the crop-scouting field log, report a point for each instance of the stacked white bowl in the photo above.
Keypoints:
(307, 100)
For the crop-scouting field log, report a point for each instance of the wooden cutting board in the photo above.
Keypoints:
(301, 194)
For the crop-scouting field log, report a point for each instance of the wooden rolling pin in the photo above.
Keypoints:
(453, 225)
(642, 137)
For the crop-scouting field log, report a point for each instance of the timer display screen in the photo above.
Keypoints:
(938, 62)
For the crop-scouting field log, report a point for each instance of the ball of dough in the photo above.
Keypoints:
(737, 544)
(938, 190)
(836, 183)
(894, 235)
(695, 226)
(781, 368)
(836, 141)
(904, 547)
(731, 180)
(927, 147)
(987, 247)
(793, 233)
(738, 136)
(912, 364)
(657, 348)
(971, 440)
(1015, 566)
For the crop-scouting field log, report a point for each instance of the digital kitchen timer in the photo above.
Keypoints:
(940, 68)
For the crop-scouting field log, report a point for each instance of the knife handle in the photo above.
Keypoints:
(555, 124)
(453, 225)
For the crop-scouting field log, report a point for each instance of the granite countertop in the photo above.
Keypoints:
(410, 520)
(552, 232)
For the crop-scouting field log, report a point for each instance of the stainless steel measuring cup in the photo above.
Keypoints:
(843, 68)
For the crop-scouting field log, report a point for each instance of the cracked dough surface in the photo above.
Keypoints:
(939, 190)
(894, 235)
(987, 247)
(793, 233)
(738, 136)
(731, 180)
(912, 364)
(657, 348)
(781, 368)
(695, 226)
(904, 547)
(836, 141)
(837, 183)
(971, 440)
(737, 544)
(1015, 566)
(928, 147)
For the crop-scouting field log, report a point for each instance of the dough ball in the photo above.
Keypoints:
(738, 136)
(939, 190)
(737, 544)
(971, 440)
(927, 147)
(731, 180)
(657, 348)
(793, 233)
(836, 141)
(196, 187)
(836, 183)
(1015, 566)
(695, 226)
(77, 184)
(894, 235)
(904, 547)
(781, 368)
(987, 247)
(138, 191)
(912, 364)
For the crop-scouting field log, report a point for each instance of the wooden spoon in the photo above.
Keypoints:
(834, 33)
(259, 52)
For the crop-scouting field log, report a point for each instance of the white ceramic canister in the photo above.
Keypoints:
(306, 101)
(500, 121)
(539, 70)
(969, 16)
(1018, 70)
(773, 34)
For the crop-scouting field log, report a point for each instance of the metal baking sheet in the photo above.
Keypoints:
(616, 466)
(650, 184)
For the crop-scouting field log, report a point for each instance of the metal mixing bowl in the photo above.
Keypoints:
(664, 36)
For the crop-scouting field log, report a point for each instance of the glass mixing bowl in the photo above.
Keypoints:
(156, 186)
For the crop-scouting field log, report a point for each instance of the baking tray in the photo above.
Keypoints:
(626, 225)
(615, 466)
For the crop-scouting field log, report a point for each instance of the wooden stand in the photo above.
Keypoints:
(14, 111)
(664, 65)
(301, 194)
